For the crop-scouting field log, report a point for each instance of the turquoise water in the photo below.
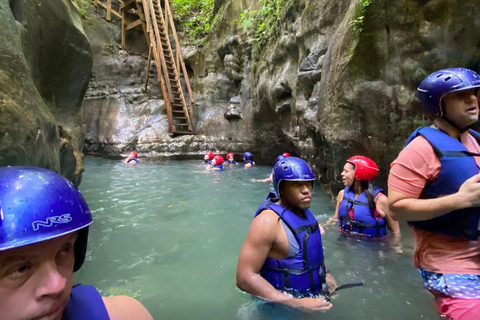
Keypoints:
(169, 234)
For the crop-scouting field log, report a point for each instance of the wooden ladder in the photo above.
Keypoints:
(157, 24)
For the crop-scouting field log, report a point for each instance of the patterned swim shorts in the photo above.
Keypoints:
(461, 286)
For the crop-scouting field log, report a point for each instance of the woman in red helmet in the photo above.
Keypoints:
(208, 157)
(132, 158)
(362, 209)
(229, 159)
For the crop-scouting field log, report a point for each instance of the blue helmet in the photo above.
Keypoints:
(434, 87)
(278, 158)
(37, 205)
(291, 169)
(248, 156)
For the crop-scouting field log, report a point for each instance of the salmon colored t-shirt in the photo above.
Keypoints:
(415, 165)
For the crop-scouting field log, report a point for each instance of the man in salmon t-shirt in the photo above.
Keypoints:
(434, 184)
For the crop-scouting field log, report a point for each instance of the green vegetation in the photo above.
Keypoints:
(357, 22)
(83, 6)
(195, 18)
(111, 47)
(261, 25)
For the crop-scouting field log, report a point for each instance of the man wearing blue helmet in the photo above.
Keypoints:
(248, 160)
(281, 260)
(434, 184)
(44, 223)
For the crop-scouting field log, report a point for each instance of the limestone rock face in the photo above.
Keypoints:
(45, 64)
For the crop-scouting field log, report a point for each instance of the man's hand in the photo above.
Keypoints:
(312, 304)
(470, 189)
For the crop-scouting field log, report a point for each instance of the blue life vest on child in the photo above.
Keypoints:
(457, 165)
(220, 166)
(304, 274)
(249, 161)
(85, 303)
(363, 222)
(133, 159)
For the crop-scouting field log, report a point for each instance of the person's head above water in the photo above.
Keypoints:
(208, 155)
(229, 157)
(218, 160)
(247, 156)
(434, 90)
(43, 239)
(359, 168)
(133, 154)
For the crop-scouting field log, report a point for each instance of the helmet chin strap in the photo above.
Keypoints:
(461, 130)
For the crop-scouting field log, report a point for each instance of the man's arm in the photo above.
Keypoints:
(405, 207)
(125, 308)
(261, 237)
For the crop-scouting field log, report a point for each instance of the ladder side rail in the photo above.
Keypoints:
(159, 50)
(163, 86)
(179, 54)
(182, 64)
(176, 69)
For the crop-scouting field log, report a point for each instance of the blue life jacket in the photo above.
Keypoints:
(363, 222)
(218, 166)
(272, 194)
(233, 162)
(249, 161)
(457, 165)
(304, 274)
(85, 303)
(133, 159)
(207, 161)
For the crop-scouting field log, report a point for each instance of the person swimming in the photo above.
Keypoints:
(132, 158)
(208, 157)
(229, 159)
(248, 159)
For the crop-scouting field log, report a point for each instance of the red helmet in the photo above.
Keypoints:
(134, 154)
(210, 155)
(218, 160)
(229, 155)
(365, 168)
(286, 154)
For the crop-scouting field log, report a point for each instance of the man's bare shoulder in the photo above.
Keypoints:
(125, 308)
(268, 217)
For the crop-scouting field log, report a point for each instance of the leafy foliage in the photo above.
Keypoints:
(195, 18)
(357, 22)
(261, 25)
(83, 6)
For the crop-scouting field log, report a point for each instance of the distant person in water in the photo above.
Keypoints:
(281, 260)
(248, 160)
(132, 158)
(362, 209)
(216, 163)
(208, 157)
(229, 159)
(44, 224)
